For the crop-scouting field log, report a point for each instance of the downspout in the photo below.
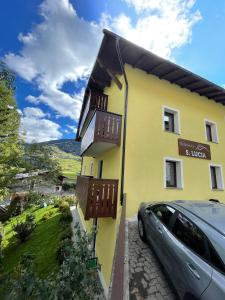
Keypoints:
(124, 121)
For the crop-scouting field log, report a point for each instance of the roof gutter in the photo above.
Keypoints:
(124, 120)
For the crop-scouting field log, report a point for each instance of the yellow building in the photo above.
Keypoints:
(149, 130)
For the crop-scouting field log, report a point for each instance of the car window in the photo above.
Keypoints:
(164, 213)
(215, 260)
(190, 235)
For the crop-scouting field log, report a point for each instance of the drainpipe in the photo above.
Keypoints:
(124, 120)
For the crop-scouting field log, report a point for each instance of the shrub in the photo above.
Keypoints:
(69, 199)
(64, 250)
(68, 186)
(4, 216)
(63, 206)
(24, 229)
(14, 208)
(30, 218)
(67, 233)
(47, 215)
(66, 216)
(57, 201)
(33, 199)
(1, 261)
(73, 280)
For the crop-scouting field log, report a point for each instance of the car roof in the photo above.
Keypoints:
(211, 212)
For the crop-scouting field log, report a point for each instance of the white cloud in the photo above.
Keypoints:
(59, 49)
(72, 128)
(63, 46)
(161, 26)
(65, 104)
(20, 112)
(35, 127)
(32, 99)
(223, 85)
(30, 112)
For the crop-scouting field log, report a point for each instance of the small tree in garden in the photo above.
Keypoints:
(73, 281)
(24, 229)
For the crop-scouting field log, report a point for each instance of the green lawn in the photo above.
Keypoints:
(70, 167)
(43, 242)
(69, 162)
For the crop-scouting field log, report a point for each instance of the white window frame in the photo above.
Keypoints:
(219, 179)
(179, 172)
(214, 130)
(176, 113)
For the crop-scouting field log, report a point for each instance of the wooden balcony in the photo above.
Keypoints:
(96, 101)
(97, 197)
(102, 134)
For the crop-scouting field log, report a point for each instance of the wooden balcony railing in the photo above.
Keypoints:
(97, 197)
(103, 133)
(95, 101)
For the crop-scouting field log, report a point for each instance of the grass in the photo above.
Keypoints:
(43, 242)
(70, 167)
(69, 163)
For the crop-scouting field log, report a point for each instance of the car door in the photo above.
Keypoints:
(188, 249)
(156, 229)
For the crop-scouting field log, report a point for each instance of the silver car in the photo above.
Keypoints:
(189, 240)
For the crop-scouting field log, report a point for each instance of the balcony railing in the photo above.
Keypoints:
(97, 197)
(103, 133)
(95, 101)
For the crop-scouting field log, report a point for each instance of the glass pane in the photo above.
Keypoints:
(164, 213)
(168, 121)
(171, 180)
(215, 259)
(213, 177)
(209, 132)
(189, 234)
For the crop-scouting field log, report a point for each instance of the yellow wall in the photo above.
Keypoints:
(107, 227)
(147, 142)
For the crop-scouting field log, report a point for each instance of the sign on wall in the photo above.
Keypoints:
(194, 149)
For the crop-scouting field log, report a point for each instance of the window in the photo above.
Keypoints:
(213, 177)
(189, 234)
(171, 120)
(173, 173)
(211, 131)
(216, 177)
(215, 260)
(164, 213)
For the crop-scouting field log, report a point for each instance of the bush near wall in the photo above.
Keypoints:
(73, 280)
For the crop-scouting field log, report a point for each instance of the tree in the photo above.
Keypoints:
(10, 143)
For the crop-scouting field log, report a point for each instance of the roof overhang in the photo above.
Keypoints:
(145, 60)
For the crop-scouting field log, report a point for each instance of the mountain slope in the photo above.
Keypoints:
(69, 162)
(66, 145)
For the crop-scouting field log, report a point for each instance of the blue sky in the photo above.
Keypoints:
(51, 46)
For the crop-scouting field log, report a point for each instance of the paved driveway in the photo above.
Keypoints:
(146, 277)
